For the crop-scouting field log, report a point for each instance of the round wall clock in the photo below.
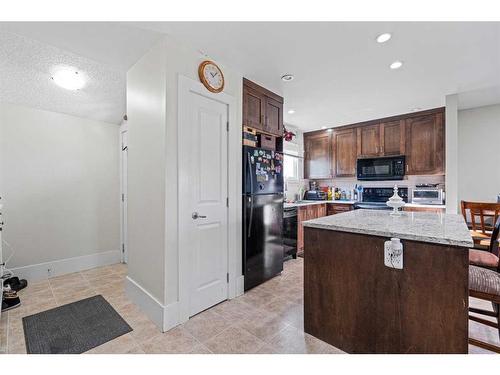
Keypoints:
(211, 76)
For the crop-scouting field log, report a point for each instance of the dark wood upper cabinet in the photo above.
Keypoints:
(392, 136)
(419, 136)
(253, 108)
(318, 156)
(344, 146)
(262, 109)
(425, 144)
(274, 116)
(368, 141)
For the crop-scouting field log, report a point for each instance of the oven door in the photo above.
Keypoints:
(378, 169)
(290, 231)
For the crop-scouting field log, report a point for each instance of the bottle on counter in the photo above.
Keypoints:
(329, 195)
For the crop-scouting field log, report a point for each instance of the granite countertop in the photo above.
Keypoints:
(309, 203)
(440, 228)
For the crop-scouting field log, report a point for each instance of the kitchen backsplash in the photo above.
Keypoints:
(409, 181)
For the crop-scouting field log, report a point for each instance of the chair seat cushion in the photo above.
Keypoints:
(484, 280)
(483, 258)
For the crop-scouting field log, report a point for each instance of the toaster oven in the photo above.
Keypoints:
(427, 196)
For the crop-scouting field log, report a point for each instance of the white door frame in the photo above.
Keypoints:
(186, 87)
(123, 195)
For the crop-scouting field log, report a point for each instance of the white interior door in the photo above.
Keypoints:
(124, 164)
(206, 222)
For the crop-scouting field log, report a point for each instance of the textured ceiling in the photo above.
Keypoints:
(103, 52)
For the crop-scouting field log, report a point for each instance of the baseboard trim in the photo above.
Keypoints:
(37, 272)
(240, 285)
(146, 302)
(171, 317)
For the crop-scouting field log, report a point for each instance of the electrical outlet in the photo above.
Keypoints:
(393, 254)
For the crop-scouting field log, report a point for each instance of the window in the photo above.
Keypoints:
(290, 167)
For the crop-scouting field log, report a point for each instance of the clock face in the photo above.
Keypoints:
(211, 76)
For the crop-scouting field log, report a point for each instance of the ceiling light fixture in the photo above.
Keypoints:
(382, 38)
(323, 127)
(287, 77)
(396, 64)
(68, 78)
(329, 130)
(291, 111)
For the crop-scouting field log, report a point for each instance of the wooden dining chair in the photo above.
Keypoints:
(484, 283)
(483, 217)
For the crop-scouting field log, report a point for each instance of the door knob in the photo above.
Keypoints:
(195, 216)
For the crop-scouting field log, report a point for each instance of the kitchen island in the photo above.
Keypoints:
(353, 301)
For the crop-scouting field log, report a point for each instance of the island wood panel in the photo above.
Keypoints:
(355, 303)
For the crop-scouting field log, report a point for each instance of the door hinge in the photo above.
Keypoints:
(123, 197)
(123, 247)
(227, 126)
(227, 202)
(227, 277)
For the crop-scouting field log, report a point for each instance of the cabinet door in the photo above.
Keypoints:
(425, 145)
(368, 138)
(345, 153)
(322, 210)
(301, 217)
(318, 156)
(392, 137)
(253, 108)
(274, 117)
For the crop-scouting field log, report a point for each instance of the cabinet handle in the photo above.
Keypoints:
(406, 167)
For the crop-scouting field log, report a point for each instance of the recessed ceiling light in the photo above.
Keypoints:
(329, 130)
(70, 79)
(396, 64)
(287, 77)
(382, 38)
(323, 127)
(291, 111)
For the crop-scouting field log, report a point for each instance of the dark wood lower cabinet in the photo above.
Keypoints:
(355, 303)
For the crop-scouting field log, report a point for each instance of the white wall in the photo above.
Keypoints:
(478, 156)
(451, 139)
(152, 103)
(59, 178)
(146, 112)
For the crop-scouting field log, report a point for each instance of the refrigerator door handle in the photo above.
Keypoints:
(249, 158)
(249, 232)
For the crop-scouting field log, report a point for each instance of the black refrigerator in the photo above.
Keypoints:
(262, 215)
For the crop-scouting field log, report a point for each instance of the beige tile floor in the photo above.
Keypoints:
(267, 319)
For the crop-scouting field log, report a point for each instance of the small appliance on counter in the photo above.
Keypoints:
(382, 168)
(315, 195)
(428, 194)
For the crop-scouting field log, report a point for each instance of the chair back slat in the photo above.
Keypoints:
(487, 213)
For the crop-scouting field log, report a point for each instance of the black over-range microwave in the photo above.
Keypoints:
(383, 168)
